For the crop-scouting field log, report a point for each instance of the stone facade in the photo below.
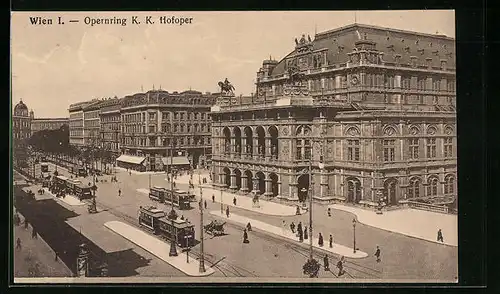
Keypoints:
(379, 120)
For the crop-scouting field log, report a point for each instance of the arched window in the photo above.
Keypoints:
(414, 188)
(449, 185)
(432, 188)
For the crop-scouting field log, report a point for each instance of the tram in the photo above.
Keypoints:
(44, 167)
(82, 192)
(155, 221)
(191, 197)
(157, 194)
(71, 185)
(181, 199)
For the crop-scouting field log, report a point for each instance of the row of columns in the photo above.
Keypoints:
(253, 150)
(255, 184)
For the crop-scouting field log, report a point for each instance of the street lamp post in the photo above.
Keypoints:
(310, 211)
(172, 215)
(187, 237)
(354, 234)
(221, 205)
(202, 254)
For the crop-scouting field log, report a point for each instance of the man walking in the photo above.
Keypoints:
(330, 241)
(377, 254)
(119, 192)
(340, 266)
(205, 203)
(320, 240)
(213, 198)
(245, 236)
(227, 211)
(299, 232)
(440, 236)
(18, 243)
(234, 201)
(326, 263)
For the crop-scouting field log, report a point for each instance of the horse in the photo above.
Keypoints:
(226, 87)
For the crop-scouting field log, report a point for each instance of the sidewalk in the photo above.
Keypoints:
(158, 248)
(286, 233)
(415, 223)
(69, 199)
(35, 258)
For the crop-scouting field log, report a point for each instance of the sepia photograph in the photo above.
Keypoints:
(234, 147)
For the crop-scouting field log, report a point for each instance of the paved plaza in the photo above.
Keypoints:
(403, 257)
(410, 222)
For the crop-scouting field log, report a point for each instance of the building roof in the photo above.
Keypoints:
(341, 41)
(54, 119)
(20, 107)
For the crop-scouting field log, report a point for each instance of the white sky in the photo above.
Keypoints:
(56, 65)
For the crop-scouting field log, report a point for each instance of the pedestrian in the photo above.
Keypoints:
(17, 219)
(292, 227)
(329, 212)
(283, 226)
(234, 201)
(26, 223)
(119, 192)
(305, 233)
(377, 254)
(331, 241)
(205, 202)
(299, 232)
(340, 266)
(182, 217)
(213, 198)
(249, 227)
(440, 236)
(18, 243)
(326, 263)
(227, 211)
(245, 236)
(320, 240)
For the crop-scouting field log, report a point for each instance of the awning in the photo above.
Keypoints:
(131, 159)
(179, 160)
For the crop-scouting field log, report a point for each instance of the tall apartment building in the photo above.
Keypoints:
(371, 109)
(158, 124)
(92, 124)
(76, 123)
(110, 122)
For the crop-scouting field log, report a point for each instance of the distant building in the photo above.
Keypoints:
(40, 124)
(375, 106)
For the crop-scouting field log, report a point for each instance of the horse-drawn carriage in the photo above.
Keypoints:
(215, 228)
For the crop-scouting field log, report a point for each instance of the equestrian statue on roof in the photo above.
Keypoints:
(226, 87)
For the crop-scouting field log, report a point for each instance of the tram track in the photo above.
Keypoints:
(226, 268)
(352, 269)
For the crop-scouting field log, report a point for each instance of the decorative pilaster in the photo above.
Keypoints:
(268, 148)
(233, 146)
(255, 147)
(269, 187)
(233, 181)
(244, 146)
(244, 183)
(255, 185)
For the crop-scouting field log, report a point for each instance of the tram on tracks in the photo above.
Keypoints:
(155, 221)
(181, 199)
